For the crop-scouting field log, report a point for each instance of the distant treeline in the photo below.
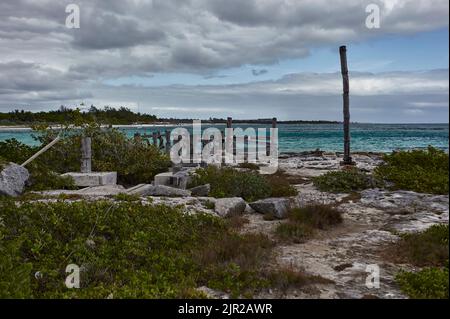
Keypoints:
(109, 115)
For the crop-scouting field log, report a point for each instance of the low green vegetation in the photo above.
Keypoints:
(346, 181)
(129, 250)
(250, 185)
(424, 171)
(429, 283)
(123, 197)
(134, 160)
(427, 249)
(3, 162)
(302, 222)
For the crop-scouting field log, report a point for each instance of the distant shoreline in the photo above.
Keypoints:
(170, 124)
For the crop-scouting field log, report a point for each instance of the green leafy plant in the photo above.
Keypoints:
(424, 171)
(126, 250)
(228, 182)
(346, 181)
(429, 283)
(250, 185)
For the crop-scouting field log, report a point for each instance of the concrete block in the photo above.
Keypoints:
(179, 179)
(93, 178)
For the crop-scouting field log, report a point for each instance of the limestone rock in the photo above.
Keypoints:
(12, 180)
(227, 207)
(162, 190)
(278, 207)
(202, 190)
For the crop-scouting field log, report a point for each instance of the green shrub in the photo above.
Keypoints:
(134, 160)
(42, 176)
(302, 222)
(426, 248)
(429, 283)
(123, 197)
(345, 181)
(125, 249)
(424, 171)
(14, 151)
(3, 162)
(280, 185)
(250, 185)
(228, 182)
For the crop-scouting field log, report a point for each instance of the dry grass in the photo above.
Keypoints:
(302, 222)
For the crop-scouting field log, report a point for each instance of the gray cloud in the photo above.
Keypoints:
(43, 64)
(198, 35)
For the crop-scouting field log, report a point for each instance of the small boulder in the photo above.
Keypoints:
(12, 179)
(163, 190)
(278, 207)
(227, 207)
(202, 190)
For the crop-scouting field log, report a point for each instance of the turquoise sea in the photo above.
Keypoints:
(328, 137)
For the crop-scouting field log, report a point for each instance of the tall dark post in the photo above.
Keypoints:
(346, 98)
(229, 122)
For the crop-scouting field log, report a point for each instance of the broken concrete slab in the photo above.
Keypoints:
(12, 179)
(227, 207)
(157, 190)
(105, 190)
(179, 178)
(93, 178)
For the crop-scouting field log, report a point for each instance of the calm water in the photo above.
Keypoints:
(304, 137)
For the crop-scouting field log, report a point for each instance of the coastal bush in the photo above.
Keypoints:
(302, 222)
(424, 171)
(125, 250)
(280, 185)
(42, 176)
(134, 160)
(250, 185)
(426, 248)
(345, 181)
(229, 182)
(429, 283)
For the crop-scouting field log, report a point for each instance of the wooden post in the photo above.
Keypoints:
(229, 122)
(167, 141)
(86, 155)
(346, 103)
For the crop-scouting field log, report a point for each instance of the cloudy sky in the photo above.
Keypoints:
(240, 58)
